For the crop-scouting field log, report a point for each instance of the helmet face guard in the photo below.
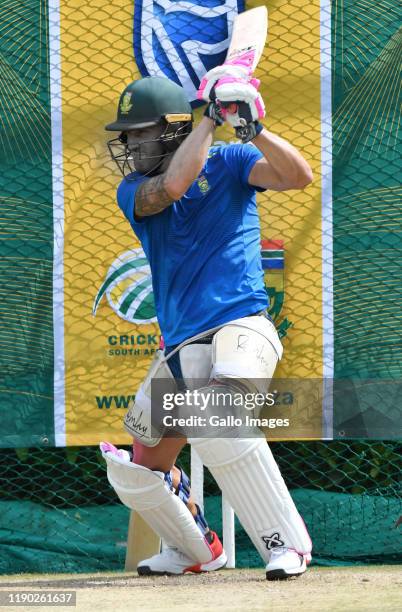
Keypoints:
(170, 139)
(151, 101)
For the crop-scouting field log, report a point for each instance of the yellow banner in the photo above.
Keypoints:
(106, 356)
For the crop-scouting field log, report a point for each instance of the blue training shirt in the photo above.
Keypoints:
(204, 250)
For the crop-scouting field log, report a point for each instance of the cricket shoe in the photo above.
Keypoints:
(172, 562)
(285, 563)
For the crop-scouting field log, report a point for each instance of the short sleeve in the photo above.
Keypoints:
(126, 199)
(240, 159)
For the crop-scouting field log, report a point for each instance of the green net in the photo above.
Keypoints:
(59, 514)
(61, 73)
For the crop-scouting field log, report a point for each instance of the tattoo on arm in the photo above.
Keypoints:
(152, 197)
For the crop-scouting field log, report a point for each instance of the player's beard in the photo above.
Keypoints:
(152, 164)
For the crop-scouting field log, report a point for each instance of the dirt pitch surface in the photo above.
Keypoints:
(319, 590)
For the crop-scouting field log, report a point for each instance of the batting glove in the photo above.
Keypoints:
(238, 68)
(242, 105)
(215, 112)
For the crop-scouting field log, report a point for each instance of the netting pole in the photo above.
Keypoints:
(228, 530)
(197, 479)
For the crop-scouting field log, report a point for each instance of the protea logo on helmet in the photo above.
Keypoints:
(128, 288)
(126, 105)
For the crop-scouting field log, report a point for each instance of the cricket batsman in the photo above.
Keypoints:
(193, 208)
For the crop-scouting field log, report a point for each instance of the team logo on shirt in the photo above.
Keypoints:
(203, 184)
(182, 40)
(128, 288)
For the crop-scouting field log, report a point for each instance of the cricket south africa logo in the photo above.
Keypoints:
(128, 288)
(203, 184)
(181, 40)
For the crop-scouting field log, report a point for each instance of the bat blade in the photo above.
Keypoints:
(142, 542)
(249, 33)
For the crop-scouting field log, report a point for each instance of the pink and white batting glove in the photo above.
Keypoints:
(240, 100)
(240, 105)
(239, 67)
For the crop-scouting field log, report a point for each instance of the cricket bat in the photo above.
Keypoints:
(142, 542)
(249, 33)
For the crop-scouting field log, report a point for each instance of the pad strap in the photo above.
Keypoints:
(183, 492)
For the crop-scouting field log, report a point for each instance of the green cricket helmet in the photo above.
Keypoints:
(145, 103)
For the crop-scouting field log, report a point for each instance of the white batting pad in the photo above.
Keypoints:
(138, 421)
(146, 492)
(249, 477)
(247, 349)
(196, 364)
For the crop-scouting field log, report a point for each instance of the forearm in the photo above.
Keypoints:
(159, 192)
(285, 167)
(189, 159)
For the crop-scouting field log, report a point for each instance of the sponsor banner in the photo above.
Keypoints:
(110, 330)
